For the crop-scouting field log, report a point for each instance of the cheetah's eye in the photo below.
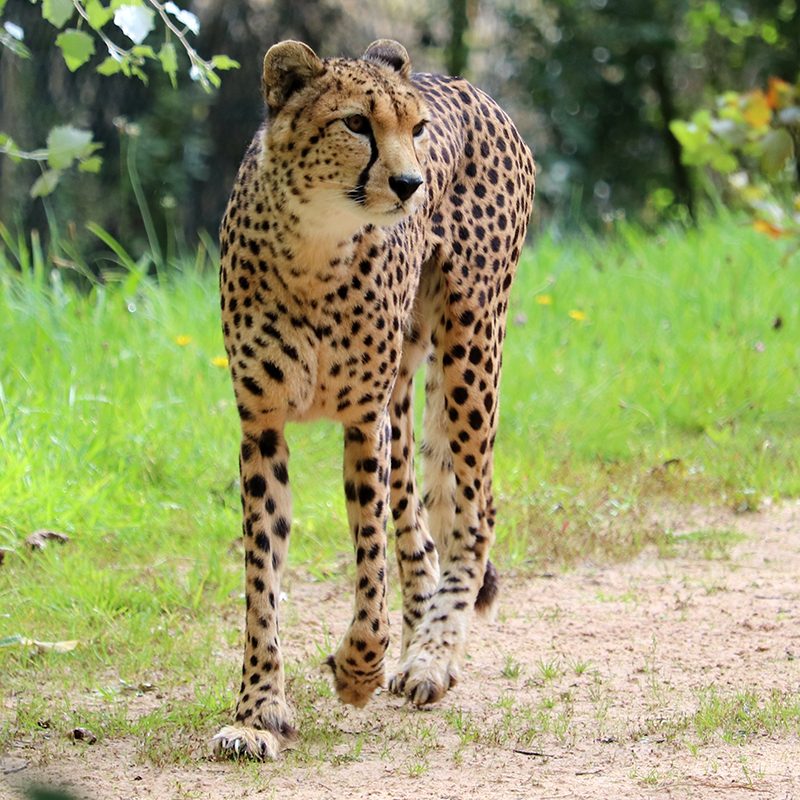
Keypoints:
(418, 129)
(357, 123)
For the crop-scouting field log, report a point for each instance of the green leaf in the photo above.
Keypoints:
(169, 62)
(76, 46)
(57, 12)
(91, 164)
(144, 51)
(110, 66)
(45, 183)
(2, 5)
(205, 76)
(224, 62)
(777, 149)
(723, 162)
(702, 119)
(690, 136)
(98, 14)
(135, 22)
(9, 147)
(662, 198)
(66, 143)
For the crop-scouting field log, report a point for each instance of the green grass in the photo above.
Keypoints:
(732, 717)
(674, 383)
(741, 715)
(679, 382)
(709, 544)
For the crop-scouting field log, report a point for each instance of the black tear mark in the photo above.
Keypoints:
(359, 193)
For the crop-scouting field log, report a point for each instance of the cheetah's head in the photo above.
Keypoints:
(348, 136)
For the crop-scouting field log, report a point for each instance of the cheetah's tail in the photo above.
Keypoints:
(487, 595)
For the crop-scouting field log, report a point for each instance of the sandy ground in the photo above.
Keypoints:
(584, 686)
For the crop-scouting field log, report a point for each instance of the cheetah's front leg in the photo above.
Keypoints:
(263, 719)
(358, 664)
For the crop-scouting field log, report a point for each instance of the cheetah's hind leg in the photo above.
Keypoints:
(460, 426)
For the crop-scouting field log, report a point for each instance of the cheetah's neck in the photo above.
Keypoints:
(310, 240)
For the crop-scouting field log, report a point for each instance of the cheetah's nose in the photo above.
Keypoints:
(405, 185)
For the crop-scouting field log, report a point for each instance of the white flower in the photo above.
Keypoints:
(135, 22)
(184, 17)
(14, 30)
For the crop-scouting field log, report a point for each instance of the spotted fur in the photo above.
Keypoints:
(376, 223)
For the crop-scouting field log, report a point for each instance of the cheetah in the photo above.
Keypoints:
(376, 222)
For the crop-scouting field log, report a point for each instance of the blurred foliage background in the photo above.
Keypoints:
(592, 84)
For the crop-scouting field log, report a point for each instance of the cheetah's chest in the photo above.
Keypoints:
(334, 353)
(356, 354)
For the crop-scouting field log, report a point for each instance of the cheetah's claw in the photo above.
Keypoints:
(235, 741)
(424, 684)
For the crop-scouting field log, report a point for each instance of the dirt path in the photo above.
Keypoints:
(595, 683)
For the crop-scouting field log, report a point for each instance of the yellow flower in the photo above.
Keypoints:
(579, 316)
(756, 109)
(183, 340)
(544, 299)
(772, 230)
(780, 94)
(219, 361)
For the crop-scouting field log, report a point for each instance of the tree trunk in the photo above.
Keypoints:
(457, 47)
(680, 175)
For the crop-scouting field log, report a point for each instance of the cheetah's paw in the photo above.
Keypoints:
(241, 741)
(353, 689)
(269, 730)
(424, 681)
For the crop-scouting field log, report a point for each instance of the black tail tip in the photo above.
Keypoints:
(489, 591)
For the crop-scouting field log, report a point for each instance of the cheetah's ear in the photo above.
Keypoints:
(288, 67)
(389, 53)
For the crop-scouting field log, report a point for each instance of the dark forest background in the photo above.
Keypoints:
(592, 84)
